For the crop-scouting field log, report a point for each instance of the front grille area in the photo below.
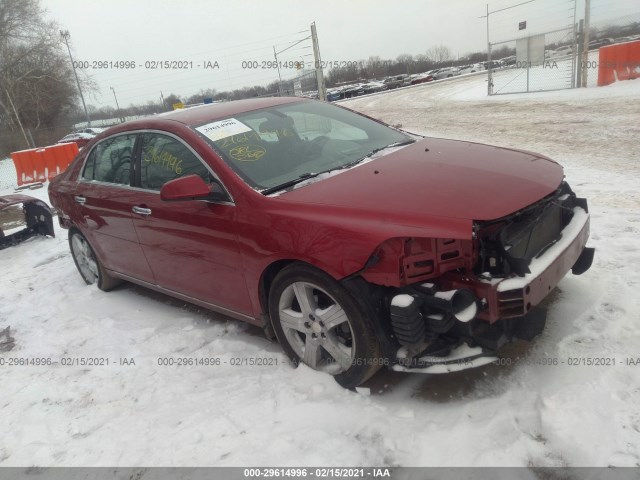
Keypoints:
(508, 245)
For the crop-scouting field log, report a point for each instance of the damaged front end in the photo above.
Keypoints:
(461, 318)
(35, 215)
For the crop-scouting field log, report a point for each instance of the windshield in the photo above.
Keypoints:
(277, 146)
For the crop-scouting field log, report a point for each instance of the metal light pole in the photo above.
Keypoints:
(65, 35)
(489, 81)
(118, 106)
(322, 91)
(585, 46)
(275, 55)
(489, 69)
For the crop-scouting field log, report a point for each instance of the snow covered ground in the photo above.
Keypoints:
(525, 413)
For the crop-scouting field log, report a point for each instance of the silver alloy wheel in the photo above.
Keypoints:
(317, 328)
(84, 258)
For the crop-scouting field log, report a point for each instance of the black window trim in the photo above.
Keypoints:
(134, 178)
(134, 152)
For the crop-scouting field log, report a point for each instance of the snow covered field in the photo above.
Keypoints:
(526, 413)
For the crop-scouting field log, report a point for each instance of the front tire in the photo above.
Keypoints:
(319, 323)
(88, 264)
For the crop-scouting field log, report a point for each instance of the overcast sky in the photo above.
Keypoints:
(232, 32)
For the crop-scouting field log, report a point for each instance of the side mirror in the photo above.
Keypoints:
(192, 187)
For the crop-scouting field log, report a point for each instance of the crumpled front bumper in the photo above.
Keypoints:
(517, 295)
(505, 298)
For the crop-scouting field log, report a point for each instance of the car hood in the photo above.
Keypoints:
(439, 177)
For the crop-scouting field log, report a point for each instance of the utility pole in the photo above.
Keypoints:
(117, 106)
(65, 35)
(577, 82)
(489, 68)
(585, 44)
(275, 55)
(162, 99)
(322, 91)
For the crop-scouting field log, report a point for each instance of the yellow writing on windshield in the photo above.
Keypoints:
(247, 153)
(229, 142)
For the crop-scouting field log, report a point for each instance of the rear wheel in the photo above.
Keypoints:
(88, 264)
(320, 324)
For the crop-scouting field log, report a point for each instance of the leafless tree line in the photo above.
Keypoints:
(37, 87)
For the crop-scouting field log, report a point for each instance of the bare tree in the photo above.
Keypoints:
(439, 54)
(171, 100)
(406, 63)
(36, 79)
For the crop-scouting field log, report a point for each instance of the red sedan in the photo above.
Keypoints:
(355, 244)
(421, 78)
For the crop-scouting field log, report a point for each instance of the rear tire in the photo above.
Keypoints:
(319, 323)
(88, 264)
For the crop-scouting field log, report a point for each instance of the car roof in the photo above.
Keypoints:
(214, 111)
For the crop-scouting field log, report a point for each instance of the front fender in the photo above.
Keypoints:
(338, 241)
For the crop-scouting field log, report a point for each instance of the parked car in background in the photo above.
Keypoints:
(80, 139)
(354, 244)
(396, 81)
(91, 130)
(350, 91)
(374, 87)
(333, 95)
(563, 51)
(446, 72)
(628, 38)
(602, 42)
(476, 67)
(495, 64)
(420, 78)
(509, 61)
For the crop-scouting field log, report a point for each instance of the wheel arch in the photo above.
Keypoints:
(282, 275)
(104, 280)
(266, 280)
(364, 293)
(73, 228)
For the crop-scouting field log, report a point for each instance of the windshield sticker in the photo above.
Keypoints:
(247, 153)
(223, 128)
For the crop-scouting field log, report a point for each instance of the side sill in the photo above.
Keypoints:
(187, 298)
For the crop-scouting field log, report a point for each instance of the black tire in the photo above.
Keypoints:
(346, 331)
(88, 264)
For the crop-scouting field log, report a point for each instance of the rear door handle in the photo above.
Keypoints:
(80, 199)
(141, 211)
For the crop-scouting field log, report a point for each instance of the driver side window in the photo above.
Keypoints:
(110, 161)
(164, 158)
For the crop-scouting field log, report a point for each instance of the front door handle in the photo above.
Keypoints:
(80, 199)
(141, 211)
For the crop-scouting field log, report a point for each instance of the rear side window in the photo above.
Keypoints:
(163, 158)
(110, 160)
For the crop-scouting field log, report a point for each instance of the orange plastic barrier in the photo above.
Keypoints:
(42, 164)
(618, 62)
